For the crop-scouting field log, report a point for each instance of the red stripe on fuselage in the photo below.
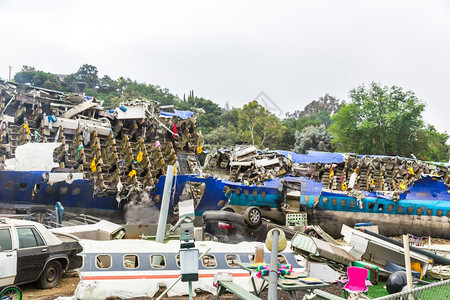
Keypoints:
(161, 276)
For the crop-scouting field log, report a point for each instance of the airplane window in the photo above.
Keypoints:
(5, 240)
(23, 186)
(399, 209)
(103, 261)
(325, 200)
(232, 260)
(251, 257)
(158, 261)
(209, 261)
(9, 185)
(352, 203)
(130, 261)
(343, 202)
(429, 212)
(334, 201)
(439, 213)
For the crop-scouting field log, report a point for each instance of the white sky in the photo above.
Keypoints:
(294, 51)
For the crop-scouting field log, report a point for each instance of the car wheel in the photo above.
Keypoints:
(11, 292)
(252, 216)
(51, 276)
(227, 208)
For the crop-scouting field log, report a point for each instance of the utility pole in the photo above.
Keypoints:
(9, 73)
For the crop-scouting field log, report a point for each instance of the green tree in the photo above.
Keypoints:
(432, 145)
(378, 120)
(88, 74)
(312, 138)
(25, 75)
(258, 126)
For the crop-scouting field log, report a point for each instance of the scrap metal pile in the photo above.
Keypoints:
(352, 172)
(247, 164)
(120, 150)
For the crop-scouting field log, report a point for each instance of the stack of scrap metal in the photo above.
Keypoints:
(120, 150)
(248, 164)
(340, 172)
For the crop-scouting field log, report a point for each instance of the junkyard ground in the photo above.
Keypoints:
(69, 283)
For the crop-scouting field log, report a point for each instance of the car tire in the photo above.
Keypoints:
(252, 216)
(11, 292)
(51, 276)
(227, 208)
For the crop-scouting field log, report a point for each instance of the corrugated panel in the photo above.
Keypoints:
(304, 244)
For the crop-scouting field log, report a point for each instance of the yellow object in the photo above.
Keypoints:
(132, 173)
(415, 265)
(344, 186)
(331, 174)
(93, 165)
(139, 156)
(411, 171)
(282, 242)
(403, 185)
(26, 127)
(199, 149)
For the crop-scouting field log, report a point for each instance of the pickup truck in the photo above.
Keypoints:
(29, 252)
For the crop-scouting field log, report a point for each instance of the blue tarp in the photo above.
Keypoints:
(182, 114)
(314, 157)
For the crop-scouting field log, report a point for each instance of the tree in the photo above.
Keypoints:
(25, 75)
(312, 138)
(294, 124)
(378, 120)
(88, 74)
(432, 145)
(222, 136)
(325, 103)
(258, 126)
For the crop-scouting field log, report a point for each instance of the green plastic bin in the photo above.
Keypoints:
(374, 271)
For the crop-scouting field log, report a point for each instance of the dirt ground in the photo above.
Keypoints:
(65, 289)
(69, 283)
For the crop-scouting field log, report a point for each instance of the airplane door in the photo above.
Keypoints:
(8, 258)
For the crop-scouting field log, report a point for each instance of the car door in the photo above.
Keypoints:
(31, 255)
(8, 257)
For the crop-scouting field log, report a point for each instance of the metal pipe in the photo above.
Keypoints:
(408, 265)
(164, 211)
(436, 258)
(273, 276)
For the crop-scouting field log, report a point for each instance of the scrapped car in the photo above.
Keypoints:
(29, 252)
(230, 227)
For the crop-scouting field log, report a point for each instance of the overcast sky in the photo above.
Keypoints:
(294, 51)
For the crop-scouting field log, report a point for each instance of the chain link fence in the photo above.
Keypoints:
(433, 291)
